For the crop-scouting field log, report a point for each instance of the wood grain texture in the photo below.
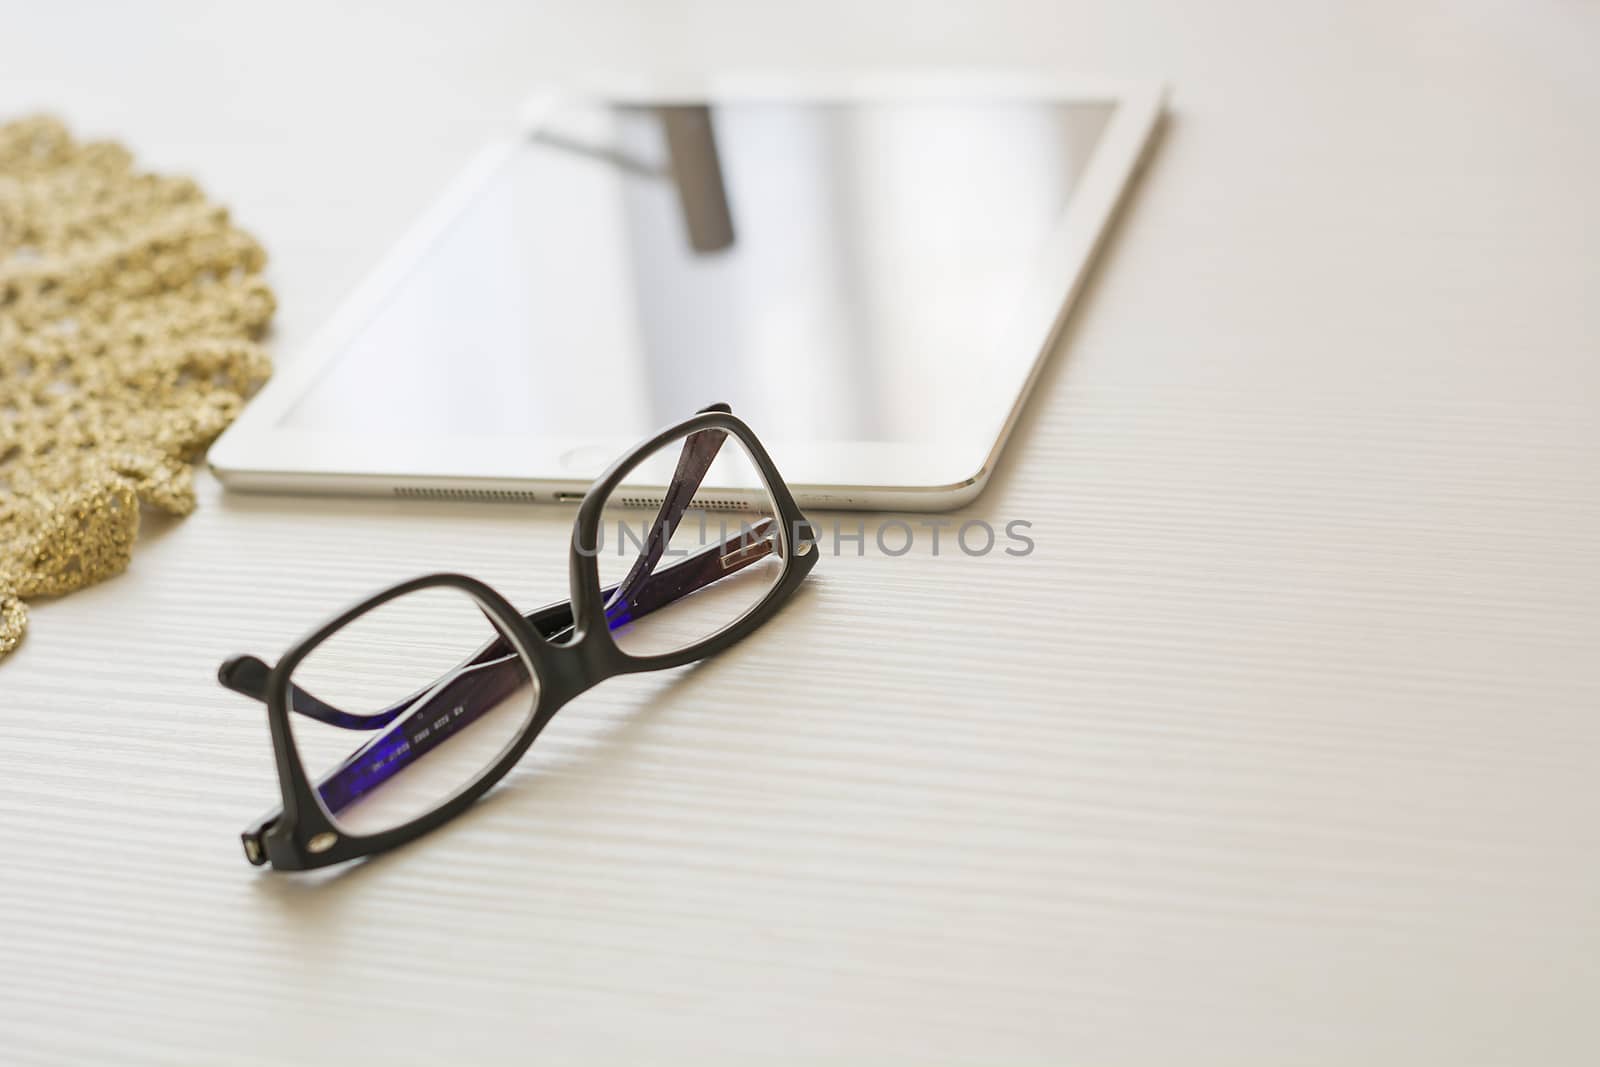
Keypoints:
(1279, 749)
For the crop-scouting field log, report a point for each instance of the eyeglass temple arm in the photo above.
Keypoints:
(452, 705)
(694, 460)
(456, 701)
(482, 682)
(247, 675)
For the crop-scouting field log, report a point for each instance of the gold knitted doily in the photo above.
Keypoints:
(129, 313)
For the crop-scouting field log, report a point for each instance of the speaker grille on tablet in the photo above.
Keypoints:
(526, 496)
(500, 496)
(699, 503)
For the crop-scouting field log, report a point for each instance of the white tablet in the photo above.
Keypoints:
(869, 271)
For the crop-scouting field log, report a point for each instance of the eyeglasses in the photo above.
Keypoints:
(395, 715)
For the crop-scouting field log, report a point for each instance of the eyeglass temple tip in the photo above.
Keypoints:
(243, 674)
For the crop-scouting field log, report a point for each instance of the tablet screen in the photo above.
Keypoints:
(837, 272)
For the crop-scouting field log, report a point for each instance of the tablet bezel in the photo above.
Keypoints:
(256, 453)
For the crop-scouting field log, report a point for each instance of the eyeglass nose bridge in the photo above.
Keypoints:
(566, 670)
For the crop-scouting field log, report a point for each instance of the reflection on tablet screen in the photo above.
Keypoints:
(837, 272)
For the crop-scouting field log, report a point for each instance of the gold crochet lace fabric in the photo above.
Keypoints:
(129, 313)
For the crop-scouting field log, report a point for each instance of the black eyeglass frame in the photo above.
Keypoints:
(303, 835)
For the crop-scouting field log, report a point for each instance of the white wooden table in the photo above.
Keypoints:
(1281, 748)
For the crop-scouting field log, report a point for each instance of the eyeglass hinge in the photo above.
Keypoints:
(805, 538)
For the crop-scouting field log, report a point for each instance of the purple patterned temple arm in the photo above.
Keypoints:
(444, 711)
(699, 452)
(247, 676)
(460, 698)
(711, 563)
